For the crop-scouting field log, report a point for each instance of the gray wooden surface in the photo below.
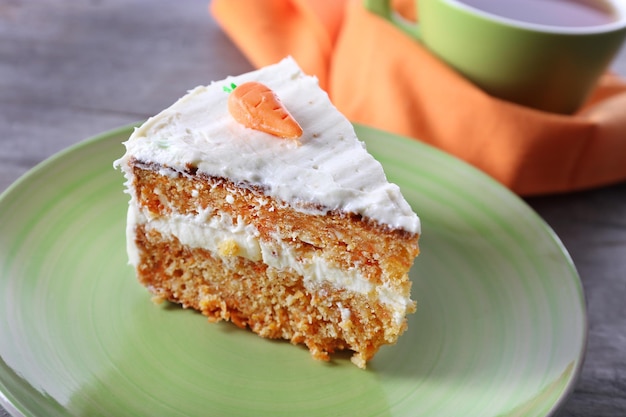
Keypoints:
(70, 69)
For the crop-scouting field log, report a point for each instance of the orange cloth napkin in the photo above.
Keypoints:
(378, 76)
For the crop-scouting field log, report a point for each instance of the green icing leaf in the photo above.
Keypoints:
(229, 88)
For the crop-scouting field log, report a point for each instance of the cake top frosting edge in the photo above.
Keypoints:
(328, 167)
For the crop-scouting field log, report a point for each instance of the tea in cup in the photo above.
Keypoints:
(544, 54)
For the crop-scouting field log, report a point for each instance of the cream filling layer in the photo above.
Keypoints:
(210, 233)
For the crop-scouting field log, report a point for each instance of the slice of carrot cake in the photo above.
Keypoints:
(252, 200)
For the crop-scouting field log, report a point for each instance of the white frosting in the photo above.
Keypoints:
(330, 169)
(208, 233)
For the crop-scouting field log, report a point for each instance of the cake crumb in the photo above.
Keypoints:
(358, 360)
(157, 299)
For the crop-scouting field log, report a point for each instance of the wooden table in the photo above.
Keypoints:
(71, 69)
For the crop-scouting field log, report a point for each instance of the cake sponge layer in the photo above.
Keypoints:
(332, 282)
(272, 303)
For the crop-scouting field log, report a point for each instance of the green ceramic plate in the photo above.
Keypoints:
(500, 328)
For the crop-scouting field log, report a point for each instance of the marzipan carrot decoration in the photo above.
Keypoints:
(256, 106)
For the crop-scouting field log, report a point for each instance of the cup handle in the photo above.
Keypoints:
(383, 9)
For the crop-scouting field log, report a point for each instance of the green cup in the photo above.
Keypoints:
(547, 67)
